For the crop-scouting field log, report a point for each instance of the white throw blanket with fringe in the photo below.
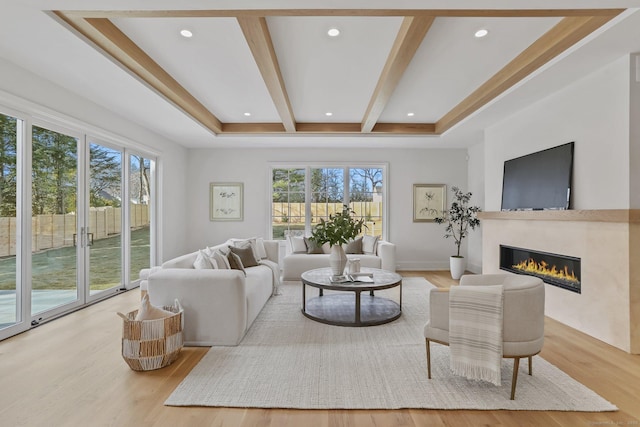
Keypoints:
(475, 331)
(275, 269)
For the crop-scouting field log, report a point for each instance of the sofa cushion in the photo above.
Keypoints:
(369, 244)
(246, 254)
(354, 246)
(313, 247)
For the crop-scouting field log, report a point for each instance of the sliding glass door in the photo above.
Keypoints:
(55, 221)
(76, 219)
(103, 235)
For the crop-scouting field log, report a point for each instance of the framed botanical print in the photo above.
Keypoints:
(429, 201)
(226, 201)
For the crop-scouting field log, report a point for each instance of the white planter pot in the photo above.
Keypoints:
(337, 260)
(457, 265)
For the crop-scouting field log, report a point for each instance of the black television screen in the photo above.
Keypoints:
(539, 180)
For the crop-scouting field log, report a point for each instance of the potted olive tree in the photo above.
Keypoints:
(460, 218)
(339, 229)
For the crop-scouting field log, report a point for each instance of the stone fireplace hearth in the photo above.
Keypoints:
(607, 243)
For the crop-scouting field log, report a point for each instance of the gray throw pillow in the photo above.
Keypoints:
(354, 246)
(235, 263)
(313, 247)
(246, 254)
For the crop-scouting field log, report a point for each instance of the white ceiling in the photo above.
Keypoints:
(321, 74)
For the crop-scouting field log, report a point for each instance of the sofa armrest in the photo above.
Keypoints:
(439, 308)
(387, 253)
(209, 297)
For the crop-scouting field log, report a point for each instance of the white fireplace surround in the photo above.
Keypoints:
(607, 243)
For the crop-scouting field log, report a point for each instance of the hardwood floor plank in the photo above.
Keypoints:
(70, 372)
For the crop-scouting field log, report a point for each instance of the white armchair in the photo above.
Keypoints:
(523, 317)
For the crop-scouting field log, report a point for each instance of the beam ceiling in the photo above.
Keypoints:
(96, 26)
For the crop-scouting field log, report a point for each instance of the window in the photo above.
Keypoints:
(288, 201)
(302, 195)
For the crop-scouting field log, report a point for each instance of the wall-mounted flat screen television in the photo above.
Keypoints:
(539, 180)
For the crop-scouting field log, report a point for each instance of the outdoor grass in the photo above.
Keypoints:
(56, 268)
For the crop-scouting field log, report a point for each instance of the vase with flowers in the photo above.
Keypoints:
(339, 229)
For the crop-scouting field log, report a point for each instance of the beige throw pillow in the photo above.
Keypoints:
(370, 244)
(354, 246)
(203, 261)
(313, 247)
(297, 244)
(221, 260)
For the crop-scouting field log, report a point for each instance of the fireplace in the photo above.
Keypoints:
(558, 270)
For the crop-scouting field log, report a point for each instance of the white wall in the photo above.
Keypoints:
(475, 155)
(420, 245)
(26, 85)
(634, 131)
(593, 112)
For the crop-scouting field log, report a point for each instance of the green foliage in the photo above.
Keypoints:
(460, 217)
(339, 229)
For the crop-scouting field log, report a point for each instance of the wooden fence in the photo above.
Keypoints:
(294, 213)
(56, 231)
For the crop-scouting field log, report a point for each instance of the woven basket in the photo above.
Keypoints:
(152, 344)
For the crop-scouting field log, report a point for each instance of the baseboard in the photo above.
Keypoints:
(407, 266)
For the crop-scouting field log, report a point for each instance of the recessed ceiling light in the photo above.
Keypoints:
(247, 114)
(481, 33)
(328, 113)
(186, 33)
(333, 32)
(411, 114)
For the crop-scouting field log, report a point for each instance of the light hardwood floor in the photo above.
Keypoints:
(69, 372)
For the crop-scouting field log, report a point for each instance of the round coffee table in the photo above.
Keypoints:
(346, 309)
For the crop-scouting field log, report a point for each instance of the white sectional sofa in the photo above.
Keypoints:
(297, 261)
(219, 304)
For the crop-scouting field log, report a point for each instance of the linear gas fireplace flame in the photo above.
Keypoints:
(558, 270)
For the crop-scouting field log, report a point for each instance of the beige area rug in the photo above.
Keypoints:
(289, 361)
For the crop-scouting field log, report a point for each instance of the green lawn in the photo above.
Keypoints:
(56, 268)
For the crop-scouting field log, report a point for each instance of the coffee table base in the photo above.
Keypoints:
(342, 310)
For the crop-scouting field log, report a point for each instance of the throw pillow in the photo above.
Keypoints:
(246, 243)
(221, 260)
(261, 251)
(313, 247)
(150, 312)
(202, 261)
(354, 246)
(235, 263)
(370, 244)
(246, 255)
(297, 245)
